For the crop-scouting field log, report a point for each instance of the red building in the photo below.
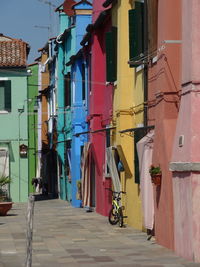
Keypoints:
(100, 109)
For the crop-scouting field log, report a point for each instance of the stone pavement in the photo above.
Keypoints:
(66, 236)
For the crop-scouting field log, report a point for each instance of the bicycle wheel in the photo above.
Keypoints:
(120, 218)
(113, 216)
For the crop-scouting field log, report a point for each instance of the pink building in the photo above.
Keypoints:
(185, 162)
(163, 105)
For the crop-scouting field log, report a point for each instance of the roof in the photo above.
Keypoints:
(82, 2)
(13, 52)
(67, 7)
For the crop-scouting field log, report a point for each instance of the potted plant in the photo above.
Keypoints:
(5, 203)
(156, 174)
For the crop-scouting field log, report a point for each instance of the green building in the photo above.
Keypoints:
(13, 116)
(32, 123)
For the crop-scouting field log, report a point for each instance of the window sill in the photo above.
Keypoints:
(4, 112)
(139, 68)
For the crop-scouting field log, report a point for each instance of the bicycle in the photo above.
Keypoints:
(116, 214)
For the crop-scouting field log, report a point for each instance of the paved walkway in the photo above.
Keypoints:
(65, 236)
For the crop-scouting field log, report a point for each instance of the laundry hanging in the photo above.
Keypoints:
(85, 171)
(113, 170)
(145, 151)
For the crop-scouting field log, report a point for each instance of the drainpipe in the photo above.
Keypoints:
(20, 110)
(145, 64)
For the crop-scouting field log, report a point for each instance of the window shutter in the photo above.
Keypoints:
(152, 25)
(7, 95)
(111, 55)
(136, 31)
(138, 135)
(67, 89)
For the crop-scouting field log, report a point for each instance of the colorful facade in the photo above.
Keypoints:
(65, 48)
(164, 85)
(118, 80)
(127, 112)
(13, 116)
(32, 93)
(79, 98)
(100, 109)
(185, 157)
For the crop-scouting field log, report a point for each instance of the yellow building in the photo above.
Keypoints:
(127, 111)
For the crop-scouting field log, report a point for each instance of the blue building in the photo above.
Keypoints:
(72, 95)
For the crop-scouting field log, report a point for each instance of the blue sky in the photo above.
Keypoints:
(18, 19)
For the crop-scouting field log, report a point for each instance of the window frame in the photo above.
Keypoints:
(6, 84)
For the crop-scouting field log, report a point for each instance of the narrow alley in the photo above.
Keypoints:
(67, 236)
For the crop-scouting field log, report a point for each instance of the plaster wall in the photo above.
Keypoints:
(164, 84)
(128, 85)
(185, 158)
(100, 101)
(63, 55)
(32, 124)
(15, 131)
(97, 9)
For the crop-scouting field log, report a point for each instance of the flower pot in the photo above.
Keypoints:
(156, 179)
(5, 207)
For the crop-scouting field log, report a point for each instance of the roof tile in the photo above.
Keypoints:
(13, 53)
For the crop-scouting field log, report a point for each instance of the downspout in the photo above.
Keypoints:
(145, 64)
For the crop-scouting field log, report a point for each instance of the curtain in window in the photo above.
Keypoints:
(4, 162)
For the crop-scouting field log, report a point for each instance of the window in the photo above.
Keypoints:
(136, 31)
(143, 28)
(68, 89)
(5, 96)
(111, 55)
(152, 25)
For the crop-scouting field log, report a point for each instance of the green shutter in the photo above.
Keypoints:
(138, 135)
(111, 55)
(7, 95)
(2, 90)
(136, 31)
